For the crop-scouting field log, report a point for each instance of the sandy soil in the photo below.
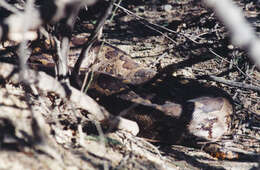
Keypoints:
(198, 39)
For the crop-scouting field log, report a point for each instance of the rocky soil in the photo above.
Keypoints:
(197, 45)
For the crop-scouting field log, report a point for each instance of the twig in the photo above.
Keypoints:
(230, 83)
(138, 17)
(63, 71)
(162, 27)
(156, 25)
(92, 73)
(246, 75)
(65, 33)
(140, 20)
(57, 9)
(86, 47)
(23, 51)
(46, 83)
(159, 58)
(242, 33)
(9, 7)
(58, 53)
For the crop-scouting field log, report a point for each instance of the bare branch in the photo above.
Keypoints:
(47, 83)
(92, 39)
(9, 7)
(231, 83)
(242, 33)
(50, 11)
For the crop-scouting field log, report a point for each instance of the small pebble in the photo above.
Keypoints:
(231, 47)
(167, 8)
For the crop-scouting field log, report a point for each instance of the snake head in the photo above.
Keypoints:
(211, 117)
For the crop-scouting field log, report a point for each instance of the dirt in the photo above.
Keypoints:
(198, 45)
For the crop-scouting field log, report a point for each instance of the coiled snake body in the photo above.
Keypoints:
(166, 109)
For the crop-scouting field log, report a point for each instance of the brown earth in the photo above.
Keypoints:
(199, 45)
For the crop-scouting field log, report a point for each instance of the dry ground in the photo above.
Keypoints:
(199, 45)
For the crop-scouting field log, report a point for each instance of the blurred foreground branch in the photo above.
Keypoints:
(48, 11)
(242, 33)
(47, 83)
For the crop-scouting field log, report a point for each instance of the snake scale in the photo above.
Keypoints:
(167, 109)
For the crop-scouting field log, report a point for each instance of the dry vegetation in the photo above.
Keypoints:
(43, 129)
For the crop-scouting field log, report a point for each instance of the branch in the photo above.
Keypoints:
(87, 46)
(50, 11)
(230, 83)
(242, 33)
(47, 83)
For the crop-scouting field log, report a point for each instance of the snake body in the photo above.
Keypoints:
(122, 85)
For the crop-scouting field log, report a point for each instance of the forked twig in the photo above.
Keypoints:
(87, 46)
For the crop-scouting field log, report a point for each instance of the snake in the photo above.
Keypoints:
(167, 109)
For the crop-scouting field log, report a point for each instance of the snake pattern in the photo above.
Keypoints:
(167, 110)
